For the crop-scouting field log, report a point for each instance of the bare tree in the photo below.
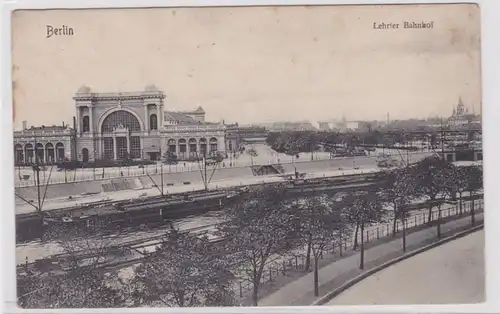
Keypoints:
(432, 179)
(182, 272)
(85, 253)
(208, 167)
(79, 282)
(460, 183)
(474, 184)
(69, 290)
(40, 195)
(445, 179)
(399, 187)
(398, 190)
(364, 208)
(259, 227)
(319, 220)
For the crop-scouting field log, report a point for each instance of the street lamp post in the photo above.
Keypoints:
(161, 172)
(36, 171)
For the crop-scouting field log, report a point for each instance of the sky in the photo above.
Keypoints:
(253, 64)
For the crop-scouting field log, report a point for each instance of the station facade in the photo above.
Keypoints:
(116, 126)
(50, 144)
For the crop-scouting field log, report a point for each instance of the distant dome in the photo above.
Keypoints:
(151, 88)
(84, 89)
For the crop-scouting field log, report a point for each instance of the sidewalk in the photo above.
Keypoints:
(301, 291)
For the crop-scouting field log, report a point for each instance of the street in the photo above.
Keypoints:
(451, 273)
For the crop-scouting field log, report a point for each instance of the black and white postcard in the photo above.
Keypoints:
(248, 156)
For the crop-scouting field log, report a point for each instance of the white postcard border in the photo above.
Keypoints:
(490, 44)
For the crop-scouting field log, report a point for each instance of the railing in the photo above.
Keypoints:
(173, 128)
(296, 260)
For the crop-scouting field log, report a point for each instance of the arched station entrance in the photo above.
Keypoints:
(120, 139)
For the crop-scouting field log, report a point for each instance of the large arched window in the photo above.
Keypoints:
(203, 146)
(192, 147)
(120, 118)
(60, 153)
(213, 145)
(153, 122)
(39, 152)
(172, 146)
(182, 147)
(29, 152)
(86, 124)
(51, 156)
(19, 154)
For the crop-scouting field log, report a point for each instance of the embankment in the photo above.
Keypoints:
(64, 190)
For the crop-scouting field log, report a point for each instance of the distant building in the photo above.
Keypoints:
(287, 126)
(238, 135)
(324, 126)
(461, 118)
(233, 140)
(339, 125)
(352, 125)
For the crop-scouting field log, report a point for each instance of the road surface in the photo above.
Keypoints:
(265, 155)
(451, 273)
(57, 196)
(176, 181)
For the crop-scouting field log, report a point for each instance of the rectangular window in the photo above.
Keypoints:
(108, 148)
(135, 147)
(121, 147)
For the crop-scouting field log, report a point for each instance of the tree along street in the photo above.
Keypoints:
(187, 270)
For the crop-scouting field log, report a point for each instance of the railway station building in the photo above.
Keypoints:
(115, 126)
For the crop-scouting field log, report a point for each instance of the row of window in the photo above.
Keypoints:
(122, 148)
(193, 148)
(43, 154)
(192, 141)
